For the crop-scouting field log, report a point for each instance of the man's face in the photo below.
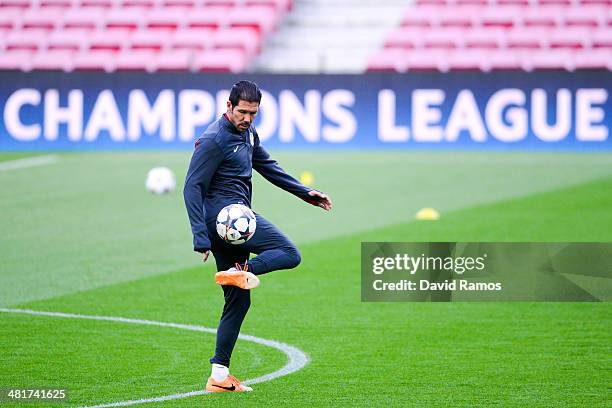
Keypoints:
(243, 114)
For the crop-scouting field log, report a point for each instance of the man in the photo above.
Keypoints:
(220, 174)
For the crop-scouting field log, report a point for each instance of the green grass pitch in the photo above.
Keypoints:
(83, 236)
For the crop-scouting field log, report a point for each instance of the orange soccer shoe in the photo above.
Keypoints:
(230, 384)
(237, 277)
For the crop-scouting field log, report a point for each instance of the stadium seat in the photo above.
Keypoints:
(458, 17)
(449, 38)
(504, 60)
(135, 60)
(166, 18)
(527, 37)
(569, 37)
(194, 39)
(485, 38)
(587, 16)
(387, 61)
(89, 18)
(104, 4)
(422, 17)
(128, 18)
(602, 38)
(173, 60)
(548, 59)
(264, 19)
(468, 60)
(95, 60)
(74, 40)
(426, 60)
(407, 37)
(55, 60)
(220, 61)
(548, 17)
(63, 4)
(41, 18)
(110, 40)
(207, 17)
(32, 39)
(20, 59)
(10, 18)
(243, 38)
(593, 59)
(155, 40)
(505, 17)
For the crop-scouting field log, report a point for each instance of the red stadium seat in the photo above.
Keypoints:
(193, 39)
(17, 60)
(528, 37)
(391, 60)
(449, 38)
(575, 37)
(543, 17)
(507, 16)
(95, 60)
(174, 60)
(468, 60)
(57, 60)
(74, 40)
(422, 17)
(458, 17)
(485, 38)
(504, 60)
(207, 17)
(89, 18)
(593, 59)
(166, 18)
(264, 19)
(245, 39)
(548, 59)
(602, 38)
(221, 60)
(124, 18)
(426, 60)
(135, 60)
(10, 18)
(62, 4)
(407, 37)
(155, 40)
(109, 40)
(585, 16)
(32, 39)
(46, 18)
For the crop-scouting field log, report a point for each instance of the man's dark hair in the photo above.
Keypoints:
(244, 91)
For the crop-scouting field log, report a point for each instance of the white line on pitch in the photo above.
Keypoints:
(28, 162)
(297, 358)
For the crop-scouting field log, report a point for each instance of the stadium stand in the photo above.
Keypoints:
(489, 35)
(150, 35)
(305, 36)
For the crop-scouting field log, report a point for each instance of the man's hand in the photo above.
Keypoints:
(321, 200)
(205, 256)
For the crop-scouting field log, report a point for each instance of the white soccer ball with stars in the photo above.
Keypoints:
(160, 180)
(236, 224)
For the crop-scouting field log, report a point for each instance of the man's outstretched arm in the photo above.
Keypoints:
(271, 171)
(204, 162)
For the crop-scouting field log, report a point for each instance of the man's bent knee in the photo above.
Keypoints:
(294, 257)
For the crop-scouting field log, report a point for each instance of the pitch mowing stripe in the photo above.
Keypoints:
(28, 162)
(297, 358)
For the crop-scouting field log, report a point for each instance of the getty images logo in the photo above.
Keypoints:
(424, 263)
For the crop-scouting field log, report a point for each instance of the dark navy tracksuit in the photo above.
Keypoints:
(220, 174)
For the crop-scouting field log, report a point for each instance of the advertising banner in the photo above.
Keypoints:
(465, 110)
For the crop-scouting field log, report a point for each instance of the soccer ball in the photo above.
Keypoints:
(236, 224)
(160, 180)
